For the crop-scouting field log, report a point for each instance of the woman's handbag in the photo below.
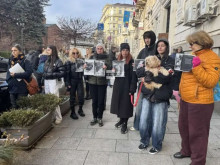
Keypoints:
(32, 86)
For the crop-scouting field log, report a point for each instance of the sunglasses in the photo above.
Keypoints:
(75, 53)
(192, 43)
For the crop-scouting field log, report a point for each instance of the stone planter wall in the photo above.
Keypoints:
(34, 132)
(65, 107)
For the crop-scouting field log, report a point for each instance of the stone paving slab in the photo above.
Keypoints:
(47, 142)
(75, 142)
(67, 143)
(61, 132)
(110, 134)
(84, 133)
(97, 145)
(52, 157)
(106, 158)
(143, 159)
(128, 146)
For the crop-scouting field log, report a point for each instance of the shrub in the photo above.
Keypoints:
(40, 102)
(63, 98)
(20, 117)
(5, 54)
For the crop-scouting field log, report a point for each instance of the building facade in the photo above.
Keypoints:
(115, 32)
(175, 19)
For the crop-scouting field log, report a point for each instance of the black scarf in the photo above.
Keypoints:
(16, 60)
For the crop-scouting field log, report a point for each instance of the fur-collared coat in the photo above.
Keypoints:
(121, 102)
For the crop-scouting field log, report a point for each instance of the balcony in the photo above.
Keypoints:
(135, 22)
(141, 4)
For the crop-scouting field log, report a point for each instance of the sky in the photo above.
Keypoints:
(86, 9)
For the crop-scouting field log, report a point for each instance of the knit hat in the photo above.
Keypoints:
(100, 44)
(124, 46)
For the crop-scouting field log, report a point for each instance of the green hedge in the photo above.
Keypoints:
(5, 54)
(20, 117)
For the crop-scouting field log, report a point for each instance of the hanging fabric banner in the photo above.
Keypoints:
(126, 18)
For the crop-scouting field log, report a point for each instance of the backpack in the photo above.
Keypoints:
(40, 68)
(217, 92)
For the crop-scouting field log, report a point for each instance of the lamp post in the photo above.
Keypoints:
(22, 36)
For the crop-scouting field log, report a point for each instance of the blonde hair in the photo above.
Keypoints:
(71, 57)
(87, 56)
(201, 38)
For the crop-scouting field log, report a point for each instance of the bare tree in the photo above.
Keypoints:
(75, 28)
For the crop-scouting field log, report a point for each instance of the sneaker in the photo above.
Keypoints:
(132, 129)
(142, 147)
(153, 151)
(57, 122)
(93, 122)
(100, 122)
(118, 124)
(124, 129)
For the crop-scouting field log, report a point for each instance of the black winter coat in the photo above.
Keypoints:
(94, 80)
(56, 71)
(147, 51)
(121, 102)
(14, 85)
(71, 75)
(34, 59)
(164, 93)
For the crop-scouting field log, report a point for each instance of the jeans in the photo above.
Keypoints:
(138, 113)
(153, 119)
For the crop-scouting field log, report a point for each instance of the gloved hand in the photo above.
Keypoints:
(196, 61)
(148, 77)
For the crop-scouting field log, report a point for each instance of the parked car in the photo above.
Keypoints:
(3, 64)
(4, 94)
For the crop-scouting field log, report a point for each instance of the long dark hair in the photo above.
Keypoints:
(54, 56)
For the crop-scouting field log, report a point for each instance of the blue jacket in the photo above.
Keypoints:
(14, 85)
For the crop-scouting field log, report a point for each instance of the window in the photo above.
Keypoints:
(120, 12)
(168, 20)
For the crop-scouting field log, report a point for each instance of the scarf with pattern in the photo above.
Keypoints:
(15, 60)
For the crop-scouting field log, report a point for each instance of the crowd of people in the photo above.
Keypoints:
(193, 90)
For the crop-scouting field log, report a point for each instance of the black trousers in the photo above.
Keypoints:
(98, 94)
(14, 97)
(76, 86)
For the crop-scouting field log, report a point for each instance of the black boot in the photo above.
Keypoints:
(124, 128)
(73, 114)
(88, 96)
(118, 124)
(94, 121)
(80, 111)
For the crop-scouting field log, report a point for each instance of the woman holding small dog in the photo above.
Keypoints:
(156, 76)
(122, 89)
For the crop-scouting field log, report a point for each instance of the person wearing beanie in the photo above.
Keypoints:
(98, 87)
(122, 89)
(150, 49)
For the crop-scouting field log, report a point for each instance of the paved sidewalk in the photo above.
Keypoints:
(75, 142)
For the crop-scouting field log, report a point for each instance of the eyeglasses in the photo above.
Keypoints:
(74, 53)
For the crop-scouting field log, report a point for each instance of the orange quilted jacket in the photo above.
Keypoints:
(197, 85)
